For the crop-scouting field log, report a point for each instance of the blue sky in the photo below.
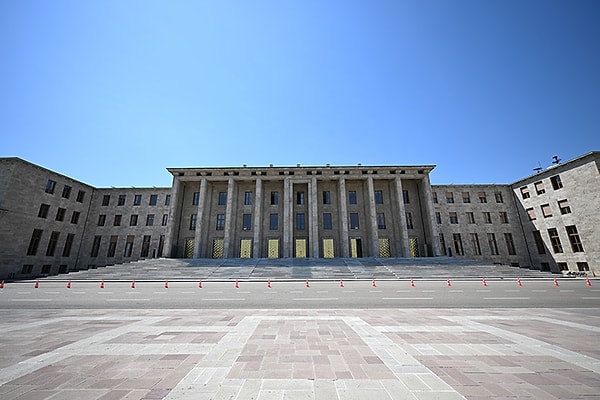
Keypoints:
(113, 92)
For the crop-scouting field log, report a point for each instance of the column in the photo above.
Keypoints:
(402, 241)
(344, 238)
(288, 226)
(313, 219)
(257, 224)
(229, 234)
(373, 230)
(170, 249)
(200, 222)
(431, 232)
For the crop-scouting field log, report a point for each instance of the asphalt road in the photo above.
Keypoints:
(571, 293)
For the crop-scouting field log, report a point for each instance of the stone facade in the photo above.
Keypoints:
(52, 224)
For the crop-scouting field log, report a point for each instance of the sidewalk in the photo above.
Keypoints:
(300, 354)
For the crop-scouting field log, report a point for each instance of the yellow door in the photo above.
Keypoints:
(413, 244)
(300, 248)
(246, 248)
(273, 248)
(189, 248)
(328, 248)
(217, 251)
(384, 247)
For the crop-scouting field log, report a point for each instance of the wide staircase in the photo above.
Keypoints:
(303, 268)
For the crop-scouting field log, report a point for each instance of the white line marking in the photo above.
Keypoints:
(224, 299)
(591, 298)
(539, 291)
(30, 299)
(126, 300)
(407, 298)
(507, 298)
(318, 299)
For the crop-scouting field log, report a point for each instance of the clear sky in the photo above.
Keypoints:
(113, 92)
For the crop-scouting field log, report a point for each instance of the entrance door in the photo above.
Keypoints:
(356, 247)
(384, 247)
(246, 248)
(217, 250)
(300, 248)
(273, 248)
(413, 245)
(189, 248)
(328, 248)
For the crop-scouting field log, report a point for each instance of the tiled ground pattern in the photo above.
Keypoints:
(300, 354)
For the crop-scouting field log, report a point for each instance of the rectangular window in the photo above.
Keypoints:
(504, 217)
(106, 200)
(546, 210)
(453, 217)
(121, 200)
(466, 197)
(300, 198)
(556, 182)
(405, 197)
(539, 187)
(168, 200)
(117, 221)
(378, 197)
(381, 220)
(539, 242)
(196, 198)
(52, 243)
(133, 220)
(438, 218)
(68, 245)
(531, 214)
(409, 220)
(274, 222)
(145, 246)
(153, 199)
(80, 196)
(50, 186)
(96, 246)
(193, 219)
(475, 244)
(248, 198)
(75, 217)
(101, 219)
(128, 246)
(482, 197)
(220, 222)
(327, 221)
(487, 217)
(222, 198)
(112, 246)
(354, 221)
(352, 197)
(498, 196)
(150, 220)
(300, 222)
(247, 222)
(443, 244)
(493, 244)
(458, 247)
(165, 219)
(44, 208)
(563, 205)
(555, 240)
(60, 214)
(470, 217)
(137, 200)
(434, 197)
(326, 197)
(449, 197)
(574, 238)
(583, 266)
(66, 193)
(510, 244)
(525, 192)
(27, 269)
(274, 198)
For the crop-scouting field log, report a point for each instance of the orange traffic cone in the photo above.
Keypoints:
(341, 283)
(483, 282)
(200, 284)
(237, 286)
(519, 282)
(587, 282)
(133, 284)
(412, 283)
(555, 282)
(448, 283)
(269, 284)
(102, 284)
(69, 284)
(373, 283)
(2, 284)
(307, 285)
(37, 284)
(166, 284)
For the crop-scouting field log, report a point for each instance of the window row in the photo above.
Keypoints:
(470, 216)
(137, 200)
(466, 197)
(540, 188)
(546, 209)
(133, 220)
(474, 242)
(555, 242)
(128, 248)
(36, 238)
(60, 213)
(66, 191)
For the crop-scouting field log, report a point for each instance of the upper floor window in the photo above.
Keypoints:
(167, 200)
(354, 221)
(574, 238)
(220, 222)
(449, 197)
(75, 217)
(487, 217)
(504, 217)
(564, 207)
(381, 220)
(222, 198)
(247, 222)
(556, 182)
(106, 200)
(378, 197)
(327, 221)
(248, 198)
(530, 213)
(43, 212)
(466, 197)
(121, 200)
(539, 187)
(499, 198)
(196, 198)
(50, 186)
(352, 197)
(525, 192)
(153, 199)
(555, 240)
(80, 196)
(274, 198)
(434, 197)
(165, 219)
(300, 198)
(66, 193)
(137, 200)
(300, 222)
(482, 197)
(470, 217)
(405, 197)
(150, 220)
(326, 197)
(546, 210)
(274, 222)
(453, 218)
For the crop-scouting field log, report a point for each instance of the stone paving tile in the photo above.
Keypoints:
(299, 354)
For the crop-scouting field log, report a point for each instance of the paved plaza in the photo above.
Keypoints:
(300, 354)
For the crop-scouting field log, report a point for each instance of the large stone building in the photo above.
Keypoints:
(51, 224)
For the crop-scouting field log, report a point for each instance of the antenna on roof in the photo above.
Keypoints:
(556, 160)
(538, 168)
